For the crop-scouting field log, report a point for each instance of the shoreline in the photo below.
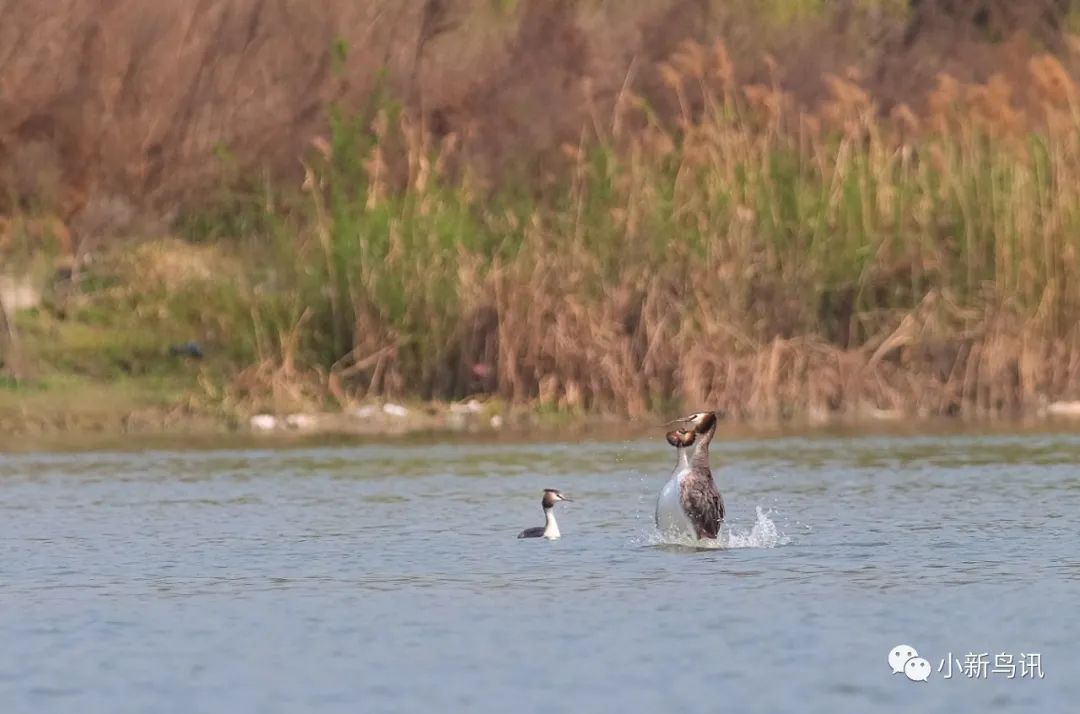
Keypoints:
(80, 430)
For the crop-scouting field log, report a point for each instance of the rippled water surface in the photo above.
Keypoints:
(389, 578)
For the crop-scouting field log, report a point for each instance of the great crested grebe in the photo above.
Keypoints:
(689, 504)
(550, 529)
(670, 517)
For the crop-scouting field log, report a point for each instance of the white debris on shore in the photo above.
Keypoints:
(472, 406)
(263, 422)
(1069, 409)
(385, 418)
(306, 422)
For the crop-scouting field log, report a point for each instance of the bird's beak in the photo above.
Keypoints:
(680, 420)
(564, 498)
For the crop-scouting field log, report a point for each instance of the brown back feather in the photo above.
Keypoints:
(702, 502)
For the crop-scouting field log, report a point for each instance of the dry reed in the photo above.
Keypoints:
(747, 254)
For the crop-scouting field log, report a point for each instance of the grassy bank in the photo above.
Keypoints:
(744, 253)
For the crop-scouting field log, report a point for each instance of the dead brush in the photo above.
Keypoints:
(276, 382)
(763, 258)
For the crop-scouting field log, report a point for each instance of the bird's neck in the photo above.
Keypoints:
(551, 528)
(683, 459)
(700, 456)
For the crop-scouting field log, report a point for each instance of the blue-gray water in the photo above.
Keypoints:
(389, 579)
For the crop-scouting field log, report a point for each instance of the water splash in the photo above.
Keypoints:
(762, 534)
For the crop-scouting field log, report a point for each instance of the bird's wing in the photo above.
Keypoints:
(702, 502)
(532, 532)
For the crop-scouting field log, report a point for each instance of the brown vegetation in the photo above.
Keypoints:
(151, 104)
(594, 206)
(747, 254)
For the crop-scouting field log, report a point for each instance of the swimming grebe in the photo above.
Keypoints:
(550, 529)
(689, 504)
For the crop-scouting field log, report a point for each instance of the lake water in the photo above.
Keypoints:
(389, 578)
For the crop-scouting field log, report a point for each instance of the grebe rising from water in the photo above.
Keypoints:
(689, 504)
